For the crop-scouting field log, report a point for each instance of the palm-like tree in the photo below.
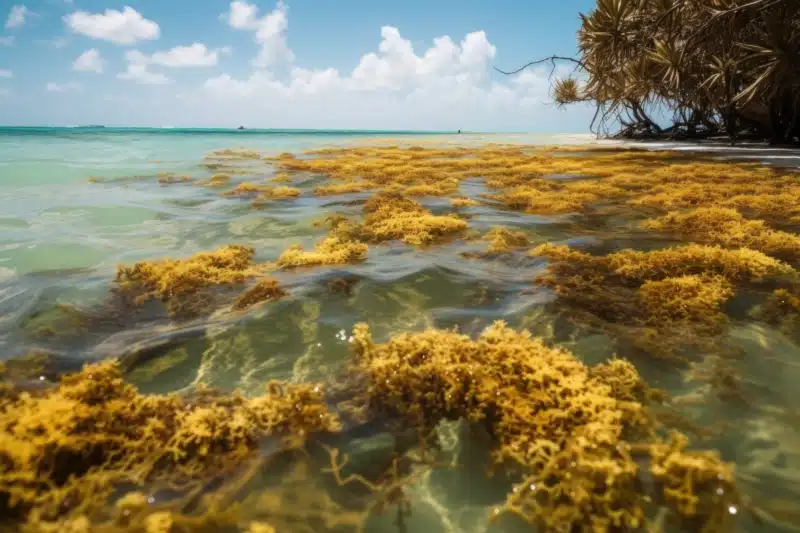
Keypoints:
(720, 65)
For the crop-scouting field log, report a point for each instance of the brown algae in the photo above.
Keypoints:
(660, 299)
(573, 431)
(391, 216)
(179, 283)
(463, 201)
(523, 177)
(581, 441)
(503, 240)
(65, 449)
(729, 228)
(263, 290)
(331, 250)
(281, 192)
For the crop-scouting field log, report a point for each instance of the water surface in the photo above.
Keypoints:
(78, 202)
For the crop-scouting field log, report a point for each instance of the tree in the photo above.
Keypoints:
(719, 66)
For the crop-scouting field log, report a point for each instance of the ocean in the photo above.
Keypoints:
(78, 202)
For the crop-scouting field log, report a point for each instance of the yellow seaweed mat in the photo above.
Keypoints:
(183, 284)
(578, 435)
(79, 457)
(521, 175)
(662, 299)
(65, 450)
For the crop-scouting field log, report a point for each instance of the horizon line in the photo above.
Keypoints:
(275, 130)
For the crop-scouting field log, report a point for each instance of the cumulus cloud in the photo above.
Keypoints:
(447, 85)
(124, 27)
(395, 67)
(63, 87)
(17, 16)
(5, 73)
(89, 61)
(193, 55)
(138, 70)
(7, 41)
(269, 31)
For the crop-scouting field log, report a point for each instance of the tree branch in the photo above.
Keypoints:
(552, 59)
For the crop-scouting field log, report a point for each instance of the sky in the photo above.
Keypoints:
(318, 64)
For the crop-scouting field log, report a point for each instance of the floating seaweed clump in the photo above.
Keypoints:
(782, 309)
(263, 290)
(234, 153)
(684, 299)
(524, 177)
(281, 177)
(391, 216)
(180, 282)
(463, 201)
(66, 450)
(502, 240)
(693, 259)
(246, 189)
(332, 250)
(440, 188)
(757, 192)
(169, 178)
(544, 197)
(580, 437)
(347, 187)
(217, 180)
(659, 299)
(281, 192)
(730, 229)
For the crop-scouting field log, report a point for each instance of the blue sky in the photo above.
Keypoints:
(293, 64)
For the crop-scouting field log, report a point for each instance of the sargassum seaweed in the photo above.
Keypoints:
(66, 449)
(574, 432)
(180, 283)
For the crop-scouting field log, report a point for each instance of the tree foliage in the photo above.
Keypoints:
(720, 66)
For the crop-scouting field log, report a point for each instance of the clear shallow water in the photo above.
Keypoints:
(61, 238)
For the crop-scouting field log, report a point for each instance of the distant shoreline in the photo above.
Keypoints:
(171, 130)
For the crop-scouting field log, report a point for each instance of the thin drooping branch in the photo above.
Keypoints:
(552, 59)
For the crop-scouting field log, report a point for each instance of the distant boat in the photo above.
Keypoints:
(91, 126)
(240, 128)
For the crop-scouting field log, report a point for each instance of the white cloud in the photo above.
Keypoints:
(7, 41)
(63, 87)
(124, 27)
(138, 70)
(193, 55)
(5, 73)
(17, 16)
(447, 86)
(89, 61)
(395, 67)
(269, 30)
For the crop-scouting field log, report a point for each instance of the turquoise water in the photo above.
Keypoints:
(54, 218)
(78, 202)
